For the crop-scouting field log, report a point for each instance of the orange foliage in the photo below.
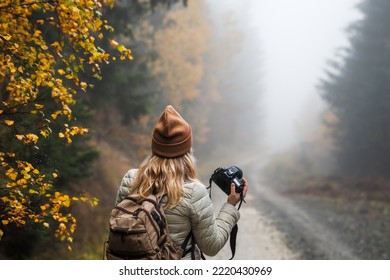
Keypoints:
(181, 43)
(31, 64)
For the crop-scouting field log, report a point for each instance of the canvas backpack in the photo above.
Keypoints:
(138, 229)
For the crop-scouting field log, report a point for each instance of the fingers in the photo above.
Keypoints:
(232, 189)
(245, 182)
(235, 197)
(245, 188)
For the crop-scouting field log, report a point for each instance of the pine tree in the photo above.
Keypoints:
(358, 92)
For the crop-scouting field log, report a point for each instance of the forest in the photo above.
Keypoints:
(82, 84)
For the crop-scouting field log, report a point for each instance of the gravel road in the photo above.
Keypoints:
(258, 237)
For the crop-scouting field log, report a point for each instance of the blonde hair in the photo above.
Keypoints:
(164, 176)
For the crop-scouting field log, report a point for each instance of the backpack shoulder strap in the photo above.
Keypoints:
(192, 249)
(189, 236)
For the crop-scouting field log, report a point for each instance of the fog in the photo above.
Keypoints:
(295, 41)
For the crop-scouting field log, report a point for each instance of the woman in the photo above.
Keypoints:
(169, 173)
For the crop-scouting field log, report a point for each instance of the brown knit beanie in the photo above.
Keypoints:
(172, 136)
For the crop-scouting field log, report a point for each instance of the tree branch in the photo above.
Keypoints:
(28, 4)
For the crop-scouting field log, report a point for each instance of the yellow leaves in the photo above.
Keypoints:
(9, 122)
(29, 138)
(37, 33)
(61, 71)
(6, 37)
(22, 182)
(34, 217)
(61, 199)
(25, 166)
(32, 191)
(83, 86)
(94, 202)
(125, 53)
(72, 131)
(75, 10)
(69, 76)
(39, 106)
(58, 47)
(128, 54)
(31, 66)
(45, 133)
(49, 213)
(12, 174)
(66, 201)
(72, 57)
(73, 226)
(113, 43)
(55, 114)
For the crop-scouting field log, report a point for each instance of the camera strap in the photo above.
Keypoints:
(233, 233)
(233, 238)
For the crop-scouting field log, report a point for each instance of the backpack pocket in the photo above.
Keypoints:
(129, 236)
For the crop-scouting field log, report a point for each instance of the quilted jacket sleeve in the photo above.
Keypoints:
(126, 182)
(211, 232)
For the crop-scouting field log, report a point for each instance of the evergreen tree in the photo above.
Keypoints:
(358, 92)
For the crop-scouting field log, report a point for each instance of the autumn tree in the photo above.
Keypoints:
(133, 86)
(46, 47)
(180, 44)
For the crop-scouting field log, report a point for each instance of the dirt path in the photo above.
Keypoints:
(257, 239)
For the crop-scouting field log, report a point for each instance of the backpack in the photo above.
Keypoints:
(138, 229)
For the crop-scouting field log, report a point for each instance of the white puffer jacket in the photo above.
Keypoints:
(194, 212)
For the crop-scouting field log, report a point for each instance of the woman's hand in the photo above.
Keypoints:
(235, 197)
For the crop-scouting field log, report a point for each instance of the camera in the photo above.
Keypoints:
(223, 177)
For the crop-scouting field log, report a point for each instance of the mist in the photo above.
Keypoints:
(294, 41)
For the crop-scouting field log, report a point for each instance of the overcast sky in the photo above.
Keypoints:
(297, 38)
